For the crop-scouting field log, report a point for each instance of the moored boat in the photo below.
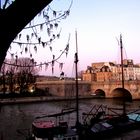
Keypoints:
(53, 130)
(106, 122)
(55, 133)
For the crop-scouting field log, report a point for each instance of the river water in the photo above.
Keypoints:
(16, 120)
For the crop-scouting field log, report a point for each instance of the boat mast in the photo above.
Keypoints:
(76, 84)
(121, 47)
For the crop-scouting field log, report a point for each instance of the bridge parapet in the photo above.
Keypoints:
(67, 87)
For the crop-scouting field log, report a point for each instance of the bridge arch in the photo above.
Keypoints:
(99, 92)
(122, 93)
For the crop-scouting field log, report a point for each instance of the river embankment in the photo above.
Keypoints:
(18, 100)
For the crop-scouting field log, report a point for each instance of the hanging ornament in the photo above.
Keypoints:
(19, 36)
(39, 40)
(32, 34)
(27, 37)
(47, 17)
(12, 55)
(53, 57)
(48, 31)
(41, 27)
(30, 55)
(20, 44)
(66, 54)
(46, 66)
(50, 40)
(26, 49)
(61, 66)
(67, 12)
(51, 26)
(53, 36)
(50, 48)
(43, 44)
(58, 36)
(54, 13)
(56, 25)
(35, 48)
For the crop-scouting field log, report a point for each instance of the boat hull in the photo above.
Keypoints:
(114, 126)
(45, 129)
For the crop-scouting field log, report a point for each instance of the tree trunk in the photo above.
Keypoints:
(14, 19)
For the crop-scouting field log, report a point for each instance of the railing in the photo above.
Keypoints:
(102, 112)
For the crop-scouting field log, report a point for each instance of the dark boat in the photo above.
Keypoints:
(103, 122)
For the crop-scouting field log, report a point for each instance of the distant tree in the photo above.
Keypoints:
(17, 72)
(26, 75)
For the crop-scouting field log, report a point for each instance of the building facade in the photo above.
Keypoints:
(111, 71)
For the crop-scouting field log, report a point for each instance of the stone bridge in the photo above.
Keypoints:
(108, 89)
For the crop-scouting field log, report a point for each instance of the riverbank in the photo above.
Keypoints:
(18, 100)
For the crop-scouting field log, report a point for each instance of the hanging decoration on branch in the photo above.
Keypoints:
(36, 36)
(46, 64)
